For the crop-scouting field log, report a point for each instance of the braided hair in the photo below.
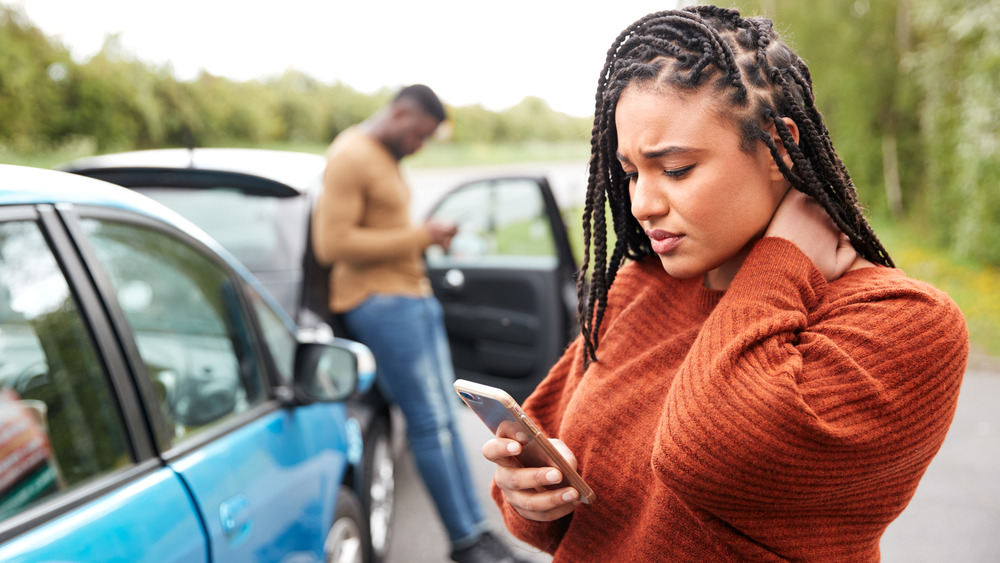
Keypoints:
(760, 81)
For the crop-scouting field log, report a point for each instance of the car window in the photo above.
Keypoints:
(188, 324)
(59, 426)
(280, 341)
(264, 233)
(497, 220)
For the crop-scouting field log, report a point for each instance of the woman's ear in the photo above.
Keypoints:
(793, 128)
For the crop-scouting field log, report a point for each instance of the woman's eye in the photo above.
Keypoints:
(631, 176)
(679, 172)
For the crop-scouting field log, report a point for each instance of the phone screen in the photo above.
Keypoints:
(492, 411)
(507, 421)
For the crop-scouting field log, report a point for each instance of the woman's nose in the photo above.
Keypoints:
(648, 200)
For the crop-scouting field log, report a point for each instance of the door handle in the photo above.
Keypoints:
(234, 515)
(453, 280)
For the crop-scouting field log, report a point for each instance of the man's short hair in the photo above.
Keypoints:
(425, 98)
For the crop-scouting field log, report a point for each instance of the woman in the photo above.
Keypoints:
(754, 380)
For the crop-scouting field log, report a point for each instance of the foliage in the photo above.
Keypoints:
(112, 99)
(31, 68)
(958, 69)
(47, 100)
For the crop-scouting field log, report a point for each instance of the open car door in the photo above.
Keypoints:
(506, 283)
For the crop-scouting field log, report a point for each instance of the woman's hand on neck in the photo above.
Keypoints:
(801, 220)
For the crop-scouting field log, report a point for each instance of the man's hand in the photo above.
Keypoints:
(441, 233)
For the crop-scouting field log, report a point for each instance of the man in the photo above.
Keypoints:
(379, 286)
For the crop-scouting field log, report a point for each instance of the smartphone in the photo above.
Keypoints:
(504, 417)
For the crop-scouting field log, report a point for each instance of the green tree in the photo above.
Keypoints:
(182, 125)
(32, 74)
(230, 112)
(533, 119)
(348, 107)
(301, 106)
(114, 101)
(113, 98)
(957, 65)
(475, 124)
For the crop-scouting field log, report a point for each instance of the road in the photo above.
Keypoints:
(954, 516)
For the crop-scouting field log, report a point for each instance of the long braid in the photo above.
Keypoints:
(861, 234)
(690, 49)
(828, 182)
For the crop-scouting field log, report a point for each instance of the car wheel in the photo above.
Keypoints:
(345, 541)
(379, 488)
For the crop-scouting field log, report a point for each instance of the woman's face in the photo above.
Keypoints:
(701, 200)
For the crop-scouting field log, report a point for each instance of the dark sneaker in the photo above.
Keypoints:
(488, 549)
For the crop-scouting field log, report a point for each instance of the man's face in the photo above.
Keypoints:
(411, 127)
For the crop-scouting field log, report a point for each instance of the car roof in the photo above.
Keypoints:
(298, 170)
(24, 185)
(28, 185)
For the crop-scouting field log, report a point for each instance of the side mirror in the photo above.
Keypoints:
(332, 371)
(365, 363)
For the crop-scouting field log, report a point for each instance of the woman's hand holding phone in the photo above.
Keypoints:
(527, 489)
(537, 475)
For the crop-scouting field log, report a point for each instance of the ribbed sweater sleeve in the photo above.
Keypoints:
(800, 416)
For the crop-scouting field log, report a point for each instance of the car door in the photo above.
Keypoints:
(79, 480)
(506, 283)
(265, 478)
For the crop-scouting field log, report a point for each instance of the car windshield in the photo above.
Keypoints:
(264, 233)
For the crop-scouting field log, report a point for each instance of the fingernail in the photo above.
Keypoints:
(569, 495)
(521, 437)
(512, 447)
(552, 476)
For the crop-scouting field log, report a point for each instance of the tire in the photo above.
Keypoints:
(346, 540)
(378, 488)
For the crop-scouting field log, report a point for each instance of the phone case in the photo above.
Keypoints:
(495, 406)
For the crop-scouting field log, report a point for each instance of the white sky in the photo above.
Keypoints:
(469, 51)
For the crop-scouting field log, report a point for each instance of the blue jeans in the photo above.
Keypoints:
(414, 371)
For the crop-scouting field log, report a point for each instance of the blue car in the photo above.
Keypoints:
(156, 403)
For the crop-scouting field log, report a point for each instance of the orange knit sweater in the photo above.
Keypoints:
(785, 419)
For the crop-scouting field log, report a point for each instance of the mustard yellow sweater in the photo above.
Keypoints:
(785, 419)
(362, 224)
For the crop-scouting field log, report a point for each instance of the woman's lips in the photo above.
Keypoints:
(663, 241)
